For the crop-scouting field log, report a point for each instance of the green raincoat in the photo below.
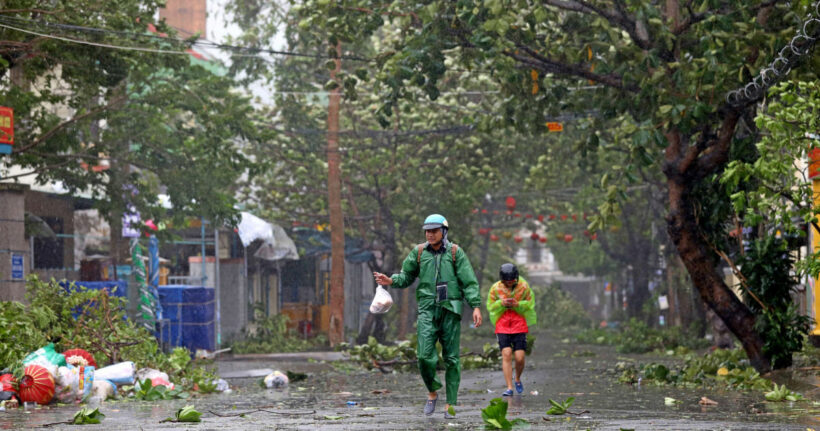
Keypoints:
(439, 321)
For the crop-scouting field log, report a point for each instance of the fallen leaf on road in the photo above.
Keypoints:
(381, 391)
(333, 418)
(707, 402)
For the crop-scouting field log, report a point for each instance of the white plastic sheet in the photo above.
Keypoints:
(382, 301)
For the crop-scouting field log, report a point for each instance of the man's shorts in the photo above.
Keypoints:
(516, 341)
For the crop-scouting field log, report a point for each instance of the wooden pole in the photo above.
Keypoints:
(334, 194)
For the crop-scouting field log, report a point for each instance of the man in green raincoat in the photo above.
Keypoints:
(446, 279)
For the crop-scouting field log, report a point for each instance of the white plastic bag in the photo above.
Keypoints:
(121, 373)
(382, 301)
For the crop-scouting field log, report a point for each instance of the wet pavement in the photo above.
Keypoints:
(394, 401)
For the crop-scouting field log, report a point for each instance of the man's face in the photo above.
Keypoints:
(433, 235)
(510, 283)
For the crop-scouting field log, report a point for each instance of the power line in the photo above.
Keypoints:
(245, 51)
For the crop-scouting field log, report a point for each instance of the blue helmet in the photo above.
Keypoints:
(434, 221)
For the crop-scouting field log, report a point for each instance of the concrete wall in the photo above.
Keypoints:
(233, 297)
(12, 240)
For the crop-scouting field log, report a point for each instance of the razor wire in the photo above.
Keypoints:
(787, 58)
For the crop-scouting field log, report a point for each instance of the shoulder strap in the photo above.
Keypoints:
(454, 249)
(420, 248)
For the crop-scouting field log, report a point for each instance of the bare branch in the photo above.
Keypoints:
(617, 17)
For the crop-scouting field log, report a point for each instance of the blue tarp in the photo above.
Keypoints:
(116, 288)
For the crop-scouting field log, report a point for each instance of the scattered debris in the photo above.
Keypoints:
(707, 402)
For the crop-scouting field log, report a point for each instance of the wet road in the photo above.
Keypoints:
(394, 401)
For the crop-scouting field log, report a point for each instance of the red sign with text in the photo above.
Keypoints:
(555, 127)
(6, 125)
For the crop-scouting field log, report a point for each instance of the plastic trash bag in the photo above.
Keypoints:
(47, 358)
(382, 301)
(276, 380)
(103, 389)
(121, 373)
(73, 383)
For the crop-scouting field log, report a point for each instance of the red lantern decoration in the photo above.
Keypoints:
(483, 231)
(510, 202)
(534, 236)
(543, 239)
(567, 238)
(493, 237)
(37, 385)
(484, 211)
(528, 216)
(7, 383)
(517, 238)
(575, 217)
(541, 218)
(509, 212)
(552, 216)
(72, 355)
(586, 233)
(594, 236)
(517, 215)
(563, 217)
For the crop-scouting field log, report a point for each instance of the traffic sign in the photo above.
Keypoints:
(17, 268)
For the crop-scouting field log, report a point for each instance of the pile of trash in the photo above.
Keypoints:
(73, 377)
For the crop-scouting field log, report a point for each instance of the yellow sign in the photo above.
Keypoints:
(555, 127)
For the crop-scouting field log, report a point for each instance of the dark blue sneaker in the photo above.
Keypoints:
(430, 406)
(519, 387)
(507, 393)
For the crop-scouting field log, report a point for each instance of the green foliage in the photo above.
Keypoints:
(86, 416)
(402, 355)
(783, 394)
(721, 368)
(559, 408)
(495, 416)
(187, 414)
(637, 337)
(562, 310)
(767, 267)
(268, 334)
(147, 392)
(49, 316)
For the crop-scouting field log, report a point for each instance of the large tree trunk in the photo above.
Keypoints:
(695, 253)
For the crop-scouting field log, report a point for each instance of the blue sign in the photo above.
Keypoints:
(5, 149)
(17, 268)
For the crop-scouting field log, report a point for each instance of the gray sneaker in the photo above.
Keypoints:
(430, 406)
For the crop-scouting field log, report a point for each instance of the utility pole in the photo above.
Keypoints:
(334, 195)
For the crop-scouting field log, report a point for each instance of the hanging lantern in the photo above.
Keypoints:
(493, 237)
(79, 357)
(483, 231)
(559, 236)
(506, 234)
(567, 238)
(575, 217)
(552, 216)
(517, 215)
(541, 218)
(518, 238)
(534, 236)
(528, 216)
(509, 212)
(542, 240)
(37, 385)
(510, 202)
(586, 233)
(594, 236)
(484, 211)
(563, 217)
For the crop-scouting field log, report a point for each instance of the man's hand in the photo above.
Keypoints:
(476, 317)
(382, 279)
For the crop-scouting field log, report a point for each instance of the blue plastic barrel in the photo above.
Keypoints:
(190, 311)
